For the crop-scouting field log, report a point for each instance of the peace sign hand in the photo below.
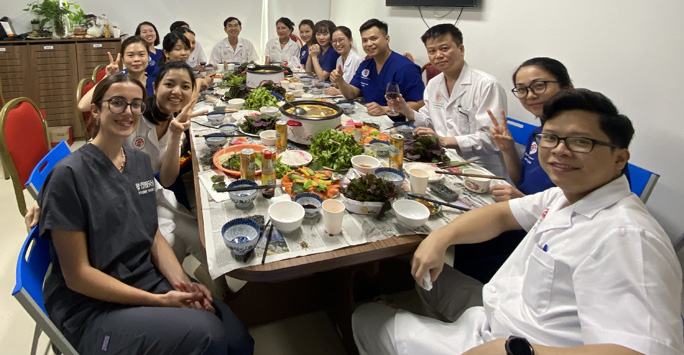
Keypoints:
(500, 134)
(113, 66)
(182, 122)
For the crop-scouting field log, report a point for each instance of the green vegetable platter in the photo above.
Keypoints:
(333, 149)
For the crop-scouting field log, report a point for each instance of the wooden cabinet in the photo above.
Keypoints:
(48, 72)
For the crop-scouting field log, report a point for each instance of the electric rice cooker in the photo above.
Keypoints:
(319, 117)
(263, 73)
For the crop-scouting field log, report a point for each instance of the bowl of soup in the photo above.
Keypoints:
(319, 116)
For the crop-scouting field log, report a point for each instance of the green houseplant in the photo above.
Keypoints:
(51, 11)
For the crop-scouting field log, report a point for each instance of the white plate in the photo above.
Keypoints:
(239, 117)
(288, 157)
(432, 175)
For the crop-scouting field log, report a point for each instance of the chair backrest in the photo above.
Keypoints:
(430, 71)
(32, 266)
(23, 142)
(642, 181)
(43, 168)
(296, 38)
(85, 85)
(409, 56)
(520, 130)
(99, 73)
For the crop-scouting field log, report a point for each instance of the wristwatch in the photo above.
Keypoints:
(518, 346)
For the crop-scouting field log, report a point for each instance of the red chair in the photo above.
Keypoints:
(23, 142)
(85, 85)
(99, 73)
(430, 71)
(296, 38)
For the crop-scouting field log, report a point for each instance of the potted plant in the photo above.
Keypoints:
(35, 25)
(51, 11)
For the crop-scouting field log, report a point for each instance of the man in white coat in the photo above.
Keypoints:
(233, 49)
(457, 100)
(596, 274)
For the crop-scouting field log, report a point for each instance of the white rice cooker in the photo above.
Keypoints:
(263, 73)
(301, 129)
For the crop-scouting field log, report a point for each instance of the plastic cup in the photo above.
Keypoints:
(333, 213)
(285, 84)
(419, 181)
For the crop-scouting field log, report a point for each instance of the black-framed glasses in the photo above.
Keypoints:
(574, 144)
(537, 87)
(118, 105)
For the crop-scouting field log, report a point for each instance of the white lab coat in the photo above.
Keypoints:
(350, 66)
(289, 53)
(197, 56)
(463, 115)
(223, 52)
(599, 271)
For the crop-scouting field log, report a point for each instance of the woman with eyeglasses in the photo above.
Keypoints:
(115, 285)
(349, 60)
(535, 82)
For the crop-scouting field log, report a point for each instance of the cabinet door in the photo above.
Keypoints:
(92, 54)
(14, 72)
(55, 76)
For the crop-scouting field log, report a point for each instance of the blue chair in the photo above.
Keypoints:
(520, 130)
(643, 181)
(32, 266)
(44, 166)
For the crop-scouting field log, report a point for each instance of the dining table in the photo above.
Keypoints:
(310, 250)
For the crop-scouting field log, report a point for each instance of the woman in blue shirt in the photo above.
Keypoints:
(305, 34)
(149, 33)
(322, 56)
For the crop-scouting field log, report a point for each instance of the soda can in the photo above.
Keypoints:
(247, 164)
(396, 151)
(281, 136)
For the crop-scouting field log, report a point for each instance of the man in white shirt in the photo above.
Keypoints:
(596, 274)
(233, 49)
(457, 100)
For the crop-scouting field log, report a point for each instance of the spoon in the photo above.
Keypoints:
(298, 111)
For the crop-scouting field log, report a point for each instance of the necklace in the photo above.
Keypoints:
(123, 163)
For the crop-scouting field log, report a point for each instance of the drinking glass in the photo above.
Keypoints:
(392, 93)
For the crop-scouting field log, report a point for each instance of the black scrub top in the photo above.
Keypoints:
(118, 213)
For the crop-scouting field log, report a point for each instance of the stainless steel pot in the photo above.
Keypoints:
(300, 129)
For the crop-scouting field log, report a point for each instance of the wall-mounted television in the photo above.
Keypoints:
(436, 3)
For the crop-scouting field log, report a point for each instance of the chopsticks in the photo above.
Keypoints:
(268, 241)
(455, 164)
(244, 188)
(470, 175)
(220, 135)
(439, 202)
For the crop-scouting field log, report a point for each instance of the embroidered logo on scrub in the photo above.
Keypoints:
(145, 187)
(139, 142)
(365, 73)
(533, 148)
(438, 96)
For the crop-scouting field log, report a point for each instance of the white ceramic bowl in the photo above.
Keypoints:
(215, 119)
(411, 213)
(268, 137)
(244, 198)
(240, 235)
(365, 164)
(286, 216)
(476, 184)
(347, 107)
(228, 128)
(269, 110)
(312, 201)
(236, 104)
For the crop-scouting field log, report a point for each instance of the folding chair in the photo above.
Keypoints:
(85, 85)
(23, 142)
(99, 73)
(643, 181)
(32, 266)
(44, 166)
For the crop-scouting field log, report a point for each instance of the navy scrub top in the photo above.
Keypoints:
(397, 69)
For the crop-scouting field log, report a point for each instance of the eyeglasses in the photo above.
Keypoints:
(118, 105)
(574, 144)
(336, 41)
(537, 87)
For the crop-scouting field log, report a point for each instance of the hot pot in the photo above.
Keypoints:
(262, 73)
(320, 116)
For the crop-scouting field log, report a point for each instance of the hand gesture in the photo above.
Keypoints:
(399, 105)
(113, 66)
(182, 122)
(500, 134)
(180, 299)
(314, 50)
(505, 192)
(375, 109)
(336, 75)
(428, 258)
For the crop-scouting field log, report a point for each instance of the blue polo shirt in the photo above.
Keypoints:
(304, 54)
(533, 178)
(398, 69)
(328, 59)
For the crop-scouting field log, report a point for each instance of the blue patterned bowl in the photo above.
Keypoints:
(311, 202)
(391, 175)
(241, 235)
(244, 198)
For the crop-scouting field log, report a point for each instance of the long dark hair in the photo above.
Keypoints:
(170, 41)
(137, 31)
(550, 65)
(152, 112)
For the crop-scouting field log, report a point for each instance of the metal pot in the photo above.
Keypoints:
(263, 73)
(300, 129)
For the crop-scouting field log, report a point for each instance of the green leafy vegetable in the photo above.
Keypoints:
(259, 98)
(425, 148)
(334, 149)
(281, 169)
(217, 178)
(370, 188)
(234, 162)
(257, 124)
(219, 185)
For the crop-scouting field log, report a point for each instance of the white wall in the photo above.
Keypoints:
(630, 50)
